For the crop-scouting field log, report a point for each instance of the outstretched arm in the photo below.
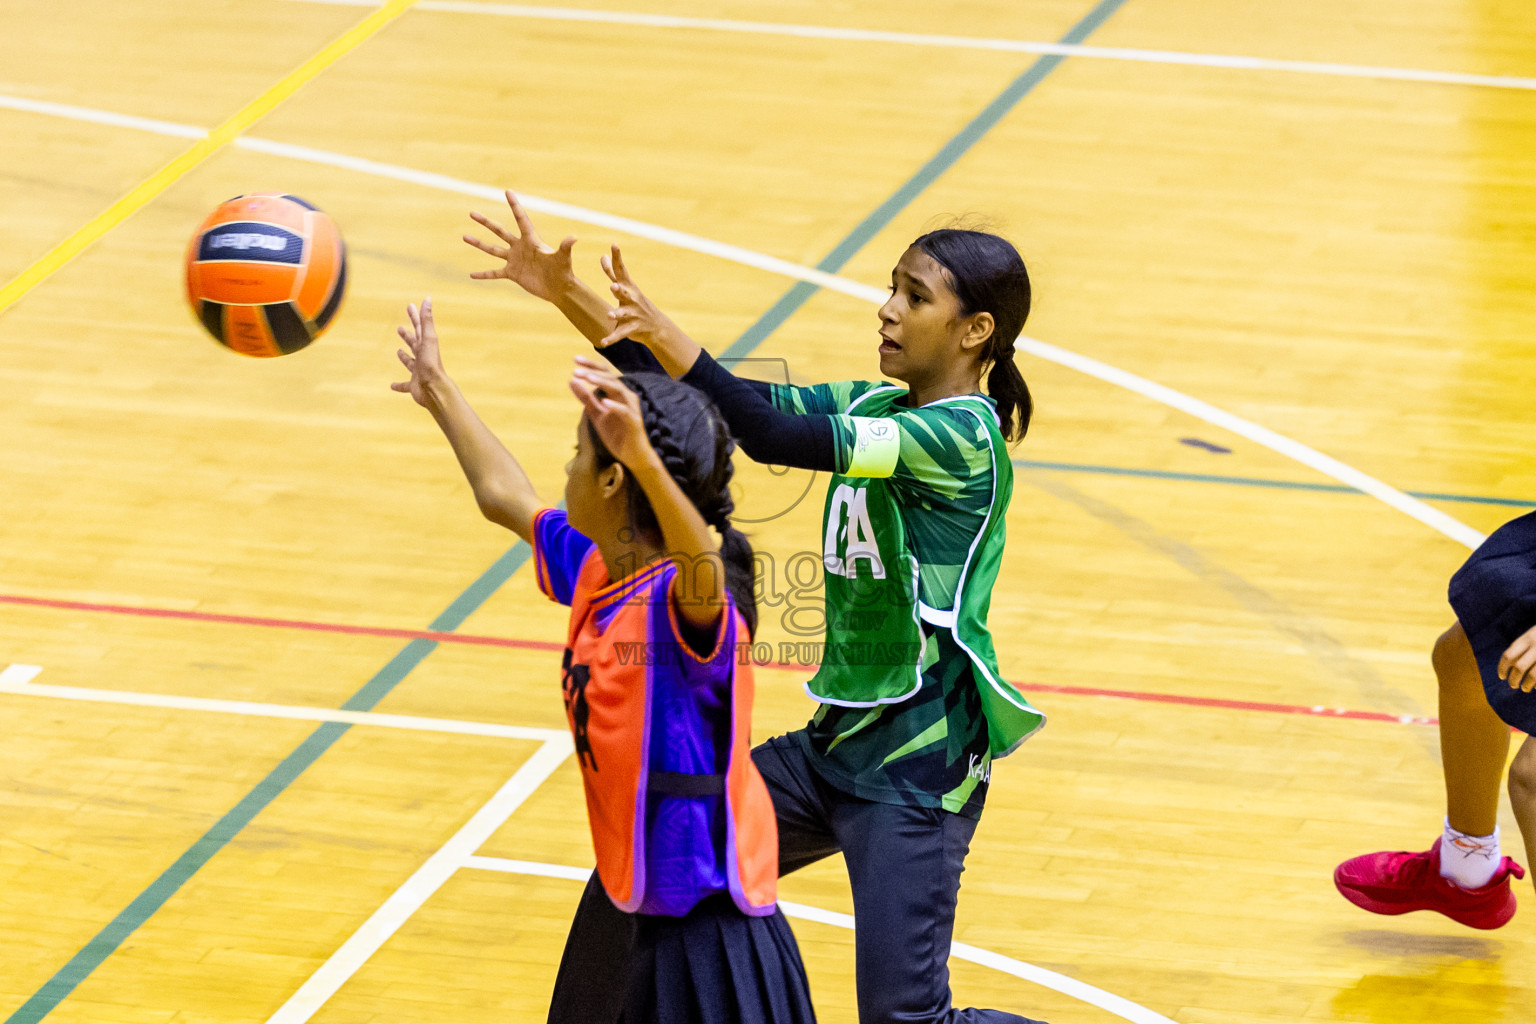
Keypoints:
(638, 320)
(502, 490)
(546, 273)
(614, 412)
(765, 432)
(540, 270)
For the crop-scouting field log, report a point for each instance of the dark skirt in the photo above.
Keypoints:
(1494, 597)
(716, 965)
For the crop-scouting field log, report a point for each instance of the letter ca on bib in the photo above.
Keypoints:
(850, 535)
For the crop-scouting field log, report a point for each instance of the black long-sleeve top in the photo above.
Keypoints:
(765, 432)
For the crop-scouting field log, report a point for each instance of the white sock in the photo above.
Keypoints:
(1469, 861)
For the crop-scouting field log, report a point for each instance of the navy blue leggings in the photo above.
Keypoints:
(904, 866)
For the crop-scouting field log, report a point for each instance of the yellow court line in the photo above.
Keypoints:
(201, 150)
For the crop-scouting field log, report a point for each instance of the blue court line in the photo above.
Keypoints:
(154, 897)
(226, 828)
(1254, 481)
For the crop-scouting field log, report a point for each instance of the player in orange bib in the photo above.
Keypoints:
(658, 704)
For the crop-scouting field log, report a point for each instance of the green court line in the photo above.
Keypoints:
(268, 789)
(1254, 481)
(926, 175)
(163, 888)
(1473, 498)
(153, 898)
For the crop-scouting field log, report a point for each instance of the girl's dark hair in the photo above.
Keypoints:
(695, 445)
(988, 275)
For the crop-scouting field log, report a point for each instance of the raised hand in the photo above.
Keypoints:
(1517, 666)
(636, 317)
(539, 270)
(422, 361)
(613, 410)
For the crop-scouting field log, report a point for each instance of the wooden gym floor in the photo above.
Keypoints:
(294, 751)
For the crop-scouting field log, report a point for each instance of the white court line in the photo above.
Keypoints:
(1326, 464)
(1067, 986)
(396, 910)
(16, 680)
(1204, 60)
(18, 675)
(1291, 449)
(528, 867)
(64, 110)
(555, 208)
(459, 851)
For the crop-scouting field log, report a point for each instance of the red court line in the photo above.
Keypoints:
(1316, 710)
(1237, 705)
(251, 620)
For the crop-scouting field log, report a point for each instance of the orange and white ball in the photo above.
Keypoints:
(266, 274)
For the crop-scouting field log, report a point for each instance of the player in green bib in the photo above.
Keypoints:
(913, 705)
(892, 771)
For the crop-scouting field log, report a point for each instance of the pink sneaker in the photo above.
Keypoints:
(1397, 883)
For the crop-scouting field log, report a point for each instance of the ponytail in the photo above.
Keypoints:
(1006, 386)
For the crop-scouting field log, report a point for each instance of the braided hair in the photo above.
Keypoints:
(988, 275)
(695, 445)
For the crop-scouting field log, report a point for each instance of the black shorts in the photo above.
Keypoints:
(1494, 597)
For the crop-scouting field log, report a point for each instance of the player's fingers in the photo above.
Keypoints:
(490, 250)
(398, 386)
(491, 226)
(521, 216)
(608, 384)
(599, 379)
(614, 336)
(1509, 657)
(591, 377)
(620, 271)
(628, 403)
(494, 228)
(585, 395)
(607, 265)
(597, 371)
(1509, 669)
(405, 358)
(1525, 670)
(566, 246)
